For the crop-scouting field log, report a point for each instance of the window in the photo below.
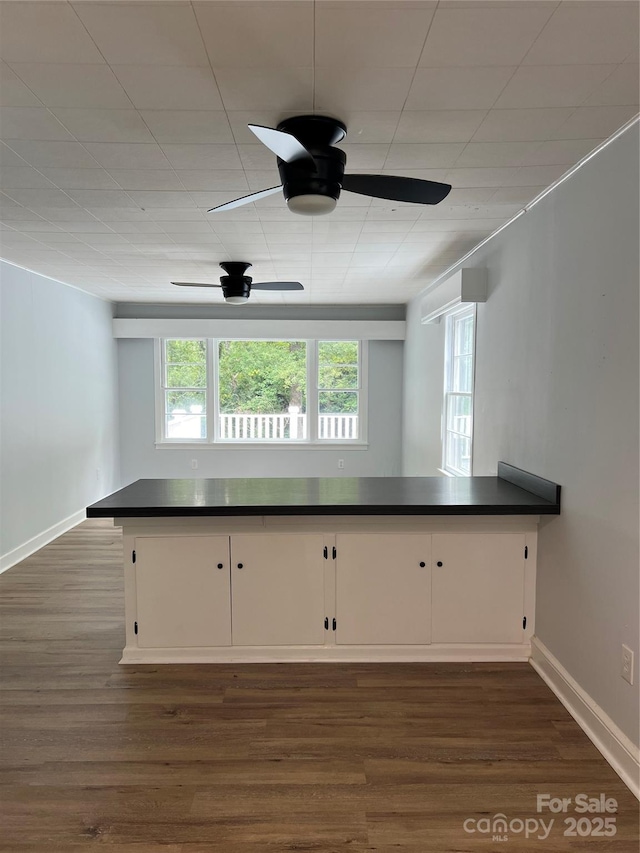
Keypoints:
(458, 392)
(260, 391)
(338, 389)
(184, 382)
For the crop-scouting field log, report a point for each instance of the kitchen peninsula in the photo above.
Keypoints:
(347, 569)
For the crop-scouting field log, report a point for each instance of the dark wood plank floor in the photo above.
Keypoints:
(265, 758)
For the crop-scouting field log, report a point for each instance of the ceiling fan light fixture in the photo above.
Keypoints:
(311, 204)
(236, 300)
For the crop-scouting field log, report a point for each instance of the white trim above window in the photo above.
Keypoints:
(466, 286)
(249, 330)
(329, 411)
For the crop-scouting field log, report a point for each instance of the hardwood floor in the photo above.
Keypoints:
(263, 758)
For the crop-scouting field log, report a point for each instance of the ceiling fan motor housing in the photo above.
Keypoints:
(318, 134)
(326, 180)
(236, 283)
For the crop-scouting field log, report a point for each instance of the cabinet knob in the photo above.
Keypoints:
(221, 565)
(439, 563)
(422, 565)
(239, 565)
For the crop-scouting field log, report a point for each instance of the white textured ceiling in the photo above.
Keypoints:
(121, 123)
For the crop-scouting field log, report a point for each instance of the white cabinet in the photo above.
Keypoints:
(383, 589)
(477, 587)
(427, 590)
(278, 589)
(190, 590)
(182, 591)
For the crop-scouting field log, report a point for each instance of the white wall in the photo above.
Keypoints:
(422, 398)
(557, 394)
(58, 405)
(141, 459)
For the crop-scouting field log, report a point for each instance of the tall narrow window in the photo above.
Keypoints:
(184, 379)
(458, 392)
(338, 389)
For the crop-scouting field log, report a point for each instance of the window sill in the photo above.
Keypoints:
(262, 445)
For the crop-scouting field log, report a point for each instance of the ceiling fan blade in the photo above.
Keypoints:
(193, 284)
(412, 190)
(246, 199)
(277, 285)
(283, 144)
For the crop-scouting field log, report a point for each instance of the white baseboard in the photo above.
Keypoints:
(436, 653)
(36, 542)
(620, 752)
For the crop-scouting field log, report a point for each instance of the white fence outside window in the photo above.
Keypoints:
(265, 427)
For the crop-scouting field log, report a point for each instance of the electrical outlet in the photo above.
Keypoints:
(194, 464)
(340, 463)
(627, 664)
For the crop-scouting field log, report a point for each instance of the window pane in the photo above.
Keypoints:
(337, 376)
(338, 402)
(337, 364)
(186, 426)
(338, 352)
(186, 376)
(338, 417)
(262, 389)
(185, 402)
(185, 351)
(463, 373)
(185, 414)
(458, 453)
(459, 414)
(463, 332)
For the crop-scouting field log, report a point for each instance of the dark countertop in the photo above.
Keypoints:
(325, 496)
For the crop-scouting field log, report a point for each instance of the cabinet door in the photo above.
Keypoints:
(383, 589)
(478, 587)
(278, 594)
(182, 596)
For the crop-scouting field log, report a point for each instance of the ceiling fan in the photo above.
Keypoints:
(312, 170)
(237, 287)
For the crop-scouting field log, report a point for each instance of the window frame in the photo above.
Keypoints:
(161, 389)
(361, 390)
(214, 342)
(213, 442)
(449, 391)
